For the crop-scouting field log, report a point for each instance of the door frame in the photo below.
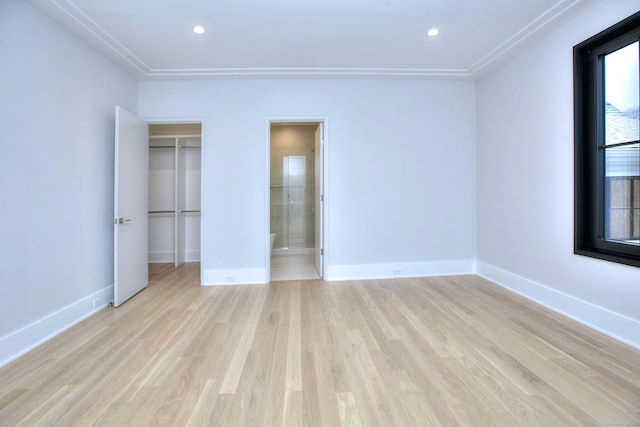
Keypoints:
(325, 184)
(203, 210)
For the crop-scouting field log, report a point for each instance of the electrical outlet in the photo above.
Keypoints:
(97, 302)
(230, 279)
(397, 272)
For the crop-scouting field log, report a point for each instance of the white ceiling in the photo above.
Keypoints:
(376, 38)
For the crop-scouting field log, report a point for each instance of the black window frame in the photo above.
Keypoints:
(588, 78)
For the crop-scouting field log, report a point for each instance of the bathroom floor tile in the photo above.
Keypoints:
(293, 267)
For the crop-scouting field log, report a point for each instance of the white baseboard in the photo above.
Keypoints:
(192, 256)
(161, 257)
(27, 338)
(615, 325)
(400, 270)
(252, 276)
(246, 276)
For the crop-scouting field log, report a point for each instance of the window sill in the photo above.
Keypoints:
(608, 256)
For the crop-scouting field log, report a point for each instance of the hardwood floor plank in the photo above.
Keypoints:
(407, 352)
(234, 370)
(294, 348)
(313, 412)
(325, 387)
(349, 414)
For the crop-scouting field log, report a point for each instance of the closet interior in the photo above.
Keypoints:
(174, 192)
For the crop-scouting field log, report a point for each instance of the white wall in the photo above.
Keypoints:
(525, 183)
(401, 170)
(56, 178)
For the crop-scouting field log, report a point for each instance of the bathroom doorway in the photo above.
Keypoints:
(296, 200)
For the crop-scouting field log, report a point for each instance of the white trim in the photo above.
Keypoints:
(192, 255)
(267, 200)
(400, 270)
(33, 335)
(98, 36)
(615, 325)
(245, 276)
(521, 36)
(203, 186)
(168, 257)
(311, 72)
(161, 257)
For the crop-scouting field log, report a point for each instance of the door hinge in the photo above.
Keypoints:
(322, 197)
(322, 251)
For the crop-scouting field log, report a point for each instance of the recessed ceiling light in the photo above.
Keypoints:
(433, 32)
(198, 29)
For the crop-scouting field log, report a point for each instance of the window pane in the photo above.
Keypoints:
(622, 194)
(621, 95)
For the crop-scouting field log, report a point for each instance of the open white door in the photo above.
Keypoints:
(319, 198)
(131, 205)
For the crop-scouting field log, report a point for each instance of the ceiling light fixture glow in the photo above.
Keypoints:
(198, 29)
(433, 32)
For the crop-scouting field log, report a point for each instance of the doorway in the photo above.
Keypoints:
(133, 199)
(295, 195)
(174, 193)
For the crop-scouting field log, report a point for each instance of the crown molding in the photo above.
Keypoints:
(534, 27)
(252, 73)
(74, 19)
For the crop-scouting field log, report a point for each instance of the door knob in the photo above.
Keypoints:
(122, 220)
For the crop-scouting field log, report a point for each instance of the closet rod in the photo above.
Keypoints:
(189, 211)
(161, 212)
(162, 146)
(175, 136)
(190, 146)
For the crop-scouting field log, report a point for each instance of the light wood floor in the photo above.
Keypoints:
(409, 352)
